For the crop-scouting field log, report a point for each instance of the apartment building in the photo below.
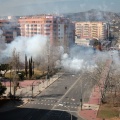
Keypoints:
(58, 29)
(85, 31)
(9, 30)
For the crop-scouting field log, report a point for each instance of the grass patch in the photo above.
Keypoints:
(107, 111)
(36, 73)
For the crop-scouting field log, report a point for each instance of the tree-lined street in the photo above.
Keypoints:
(58, 101)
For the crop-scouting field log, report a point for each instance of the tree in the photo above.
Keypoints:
(98, 77)
(15, 62)
(5, 68)
(26, 66)
(31, 64)
(2, 89)
(113, 85)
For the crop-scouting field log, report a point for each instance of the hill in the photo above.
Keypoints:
(93, 15)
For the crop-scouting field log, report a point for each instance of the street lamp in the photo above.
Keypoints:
(32, 88)
(67, 108)
(81, 96)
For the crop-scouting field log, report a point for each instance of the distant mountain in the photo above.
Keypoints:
(93, 15)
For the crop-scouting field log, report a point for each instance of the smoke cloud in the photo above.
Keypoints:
(79, 57)
(31, 46)
(86, 58)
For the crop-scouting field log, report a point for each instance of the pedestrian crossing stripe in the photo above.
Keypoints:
(60, 103)
(52, 105)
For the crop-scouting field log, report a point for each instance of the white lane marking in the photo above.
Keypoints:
(66, 93)
(64, 110)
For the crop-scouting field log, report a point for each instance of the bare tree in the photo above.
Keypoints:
(15, 68)
(98, 77)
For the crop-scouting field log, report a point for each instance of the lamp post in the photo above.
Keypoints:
(48, 53)
(81, 99)
(10, 84)
(67, 109)
(32, 88)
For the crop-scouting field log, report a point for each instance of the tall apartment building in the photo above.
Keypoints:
(85, 31)
(60, 30)
(9, 29)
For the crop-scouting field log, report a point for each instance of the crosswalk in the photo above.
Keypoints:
(49, 102)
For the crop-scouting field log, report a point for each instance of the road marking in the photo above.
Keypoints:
(64, 110)
(66, 93)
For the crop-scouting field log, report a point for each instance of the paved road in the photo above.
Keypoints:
(55, 102)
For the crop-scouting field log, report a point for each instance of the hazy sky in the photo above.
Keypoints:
(24, 7)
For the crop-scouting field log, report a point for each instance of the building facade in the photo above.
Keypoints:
(60, 30)
(9, 30)
(85, 31)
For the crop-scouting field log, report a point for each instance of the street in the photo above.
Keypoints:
(60, 101)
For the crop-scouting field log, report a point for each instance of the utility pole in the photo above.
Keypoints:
(81, 96)
(10, 83)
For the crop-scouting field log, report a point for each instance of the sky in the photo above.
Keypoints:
(30, 7)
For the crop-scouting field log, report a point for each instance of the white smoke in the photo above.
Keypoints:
(78, 59)
(31, 46)
(86, 58)
(2, 42)
(1, 32)
(76, 64)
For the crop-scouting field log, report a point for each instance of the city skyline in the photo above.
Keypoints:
(29, 7)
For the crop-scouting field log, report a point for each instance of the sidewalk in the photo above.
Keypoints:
(26, 93)
(90, 109)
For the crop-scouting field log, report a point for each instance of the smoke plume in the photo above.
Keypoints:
(31, 46)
